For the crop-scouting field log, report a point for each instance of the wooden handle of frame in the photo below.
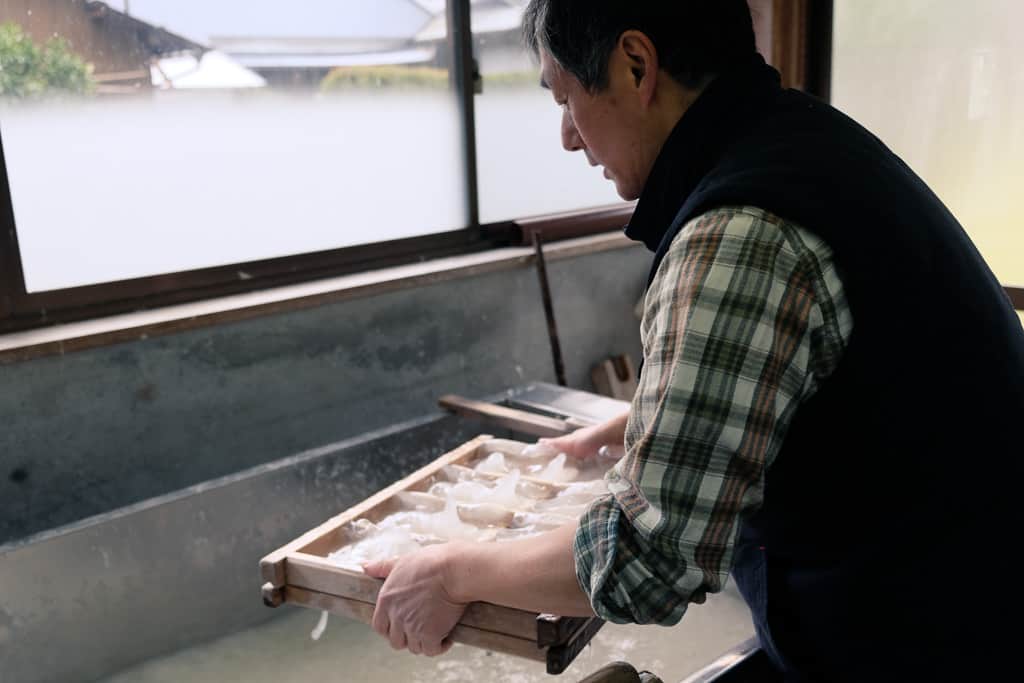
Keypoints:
(510, 418)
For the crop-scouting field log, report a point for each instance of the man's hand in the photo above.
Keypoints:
(586, 442)
(414, 608)
(425, 594)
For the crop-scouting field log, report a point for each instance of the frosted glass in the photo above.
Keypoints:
(233, 152)
(942, 83)
(523, 170)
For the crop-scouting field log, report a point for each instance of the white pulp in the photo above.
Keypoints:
(320, 627)
(488, 502)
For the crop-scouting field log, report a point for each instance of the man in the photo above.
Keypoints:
(832, 380)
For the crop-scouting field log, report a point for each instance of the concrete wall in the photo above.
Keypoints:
(181, 569)
(95, 430)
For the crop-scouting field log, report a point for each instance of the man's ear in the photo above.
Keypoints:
(642, 61)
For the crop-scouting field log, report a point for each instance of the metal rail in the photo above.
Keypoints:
(549, 309)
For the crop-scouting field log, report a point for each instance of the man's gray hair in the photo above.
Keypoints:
(695, 39)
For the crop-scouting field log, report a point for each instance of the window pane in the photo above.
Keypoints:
(523, 170)
(942, 83)
(155, 136)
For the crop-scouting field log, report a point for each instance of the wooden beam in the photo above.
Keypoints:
(510, 418)
(789, 41)
(795, 37)
(462, 633)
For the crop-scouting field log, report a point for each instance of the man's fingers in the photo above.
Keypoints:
(436, 647)
(380, 569)
(416, 647)
(396, 635)
(380, 622)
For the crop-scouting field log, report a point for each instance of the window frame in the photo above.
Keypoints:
(799, 44)
(1016, 295)
(800, 48)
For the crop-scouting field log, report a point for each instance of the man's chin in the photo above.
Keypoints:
(626, 193)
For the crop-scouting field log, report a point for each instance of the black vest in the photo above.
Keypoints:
(889, 527)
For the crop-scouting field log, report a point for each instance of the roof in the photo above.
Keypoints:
(487, 16)
(156, 39)
(212, 70)
(205, 22)
(414, 55)
(265, 34)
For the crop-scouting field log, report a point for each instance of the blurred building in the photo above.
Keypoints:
(120, 47)
(298, 43)
(184, 44)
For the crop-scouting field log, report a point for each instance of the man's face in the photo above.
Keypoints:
(608, 127)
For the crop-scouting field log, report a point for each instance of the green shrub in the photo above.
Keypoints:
(28, 70)
(415, 77)
(405, 77)
(512, 79)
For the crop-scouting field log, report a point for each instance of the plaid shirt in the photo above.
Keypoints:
(744, 317)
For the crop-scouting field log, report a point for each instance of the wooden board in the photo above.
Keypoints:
(299, 573)
(510, 418)
(316, 573)
(462, 633)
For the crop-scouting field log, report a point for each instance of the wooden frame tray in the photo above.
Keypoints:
(299, 573)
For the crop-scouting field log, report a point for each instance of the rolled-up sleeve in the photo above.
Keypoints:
(744, 317)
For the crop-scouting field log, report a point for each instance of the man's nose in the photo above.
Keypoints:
(571, 140)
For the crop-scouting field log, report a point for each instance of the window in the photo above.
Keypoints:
(942, 83)
(159, 151)
(206, 133)
(523, 170)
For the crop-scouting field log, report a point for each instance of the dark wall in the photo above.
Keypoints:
(91, 431)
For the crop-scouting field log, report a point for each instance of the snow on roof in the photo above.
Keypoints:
(439, 6)
(494, 17)
(432, 6)
(416, 55)
(205, 21)
(213, 70)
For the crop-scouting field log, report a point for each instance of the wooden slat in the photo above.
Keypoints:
(795, 36)
(575, 224)
(561, 656)
(272, 595)
(462, 633)
(316, 279)
(615, 377)
(316, 574)
(789, 42)
(556, 630)
(510, 418)
(273, 566)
